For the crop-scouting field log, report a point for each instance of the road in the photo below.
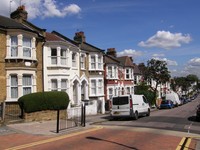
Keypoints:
(169, 129)
(180, 118)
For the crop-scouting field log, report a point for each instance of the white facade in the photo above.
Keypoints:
(61, 69)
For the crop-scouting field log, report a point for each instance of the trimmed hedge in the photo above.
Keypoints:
(44, 101)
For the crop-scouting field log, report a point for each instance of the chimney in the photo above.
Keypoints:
(111, 52)
(131, 58)
(79, 37)
(19, 14)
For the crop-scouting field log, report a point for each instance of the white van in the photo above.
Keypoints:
(129, 106)
(174, 98)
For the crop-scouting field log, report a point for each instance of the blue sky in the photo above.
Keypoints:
(144, 29)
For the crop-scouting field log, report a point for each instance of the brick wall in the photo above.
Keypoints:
(2, 66)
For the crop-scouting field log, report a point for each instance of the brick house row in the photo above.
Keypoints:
(33, 60)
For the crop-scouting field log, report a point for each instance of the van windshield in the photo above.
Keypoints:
(120, 100)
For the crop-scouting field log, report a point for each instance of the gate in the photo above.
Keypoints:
(12, 112)
(75, 118)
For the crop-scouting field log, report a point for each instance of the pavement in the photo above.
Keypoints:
(48, 128)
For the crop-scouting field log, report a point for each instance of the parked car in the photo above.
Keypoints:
(129, 106)
(174, 98)
(166, 104)
(198, 113)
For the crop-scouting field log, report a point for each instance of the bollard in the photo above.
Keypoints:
(58, 116)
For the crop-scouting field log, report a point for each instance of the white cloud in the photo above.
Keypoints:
(169, 62)
(41, 8)
(158, 55)
(194, 62)
(166, 40)
(130, 53)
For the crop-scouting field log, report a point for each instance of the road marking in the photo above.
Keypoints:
(53, 139)
(184, 143)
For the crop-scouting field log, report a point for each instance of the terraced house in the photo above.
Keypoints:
(20, 56)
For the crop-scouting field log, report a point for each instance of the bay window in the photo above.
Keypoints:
(54, 85)
(64, 85)
(14, 86)
(96, 87)
(129, 73)
(93, 62)
(93, 87)
(14, 46)
(53, 56)
(63, 57)
(82, 61)
(26, 47)
(74, 61)
(27, 84)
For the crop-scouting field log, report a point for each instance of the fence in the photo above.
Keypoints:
(73, 119)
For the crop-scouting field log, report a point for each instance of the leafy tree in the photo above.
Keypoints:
(157, 71)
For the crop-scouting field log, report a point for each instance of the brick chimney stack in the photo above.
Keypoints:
(80, 37)
(111, 52)
(19, 14)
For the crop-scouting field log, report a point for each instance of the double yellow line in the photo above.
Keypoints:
(184, 143)
(52, 139)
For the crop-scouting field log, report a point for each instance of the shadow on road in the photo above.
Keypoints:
(193, 118)
(94, 138)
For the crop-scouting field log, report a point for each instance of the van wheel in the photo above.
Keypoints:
(148, 113)
(136, 115)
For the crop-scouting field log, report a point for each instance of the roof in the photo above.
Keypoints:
(111, 60)
(90, 48)
(8, 23)
(126, 61)
(137, 70)
(53, 37)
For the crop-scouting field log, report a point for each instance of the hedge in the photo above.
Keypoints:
(44, 101)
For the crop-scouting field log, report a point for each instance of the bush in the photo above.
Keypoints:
(44, 101)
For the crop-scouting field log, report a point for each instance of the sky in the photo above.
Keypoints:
(167, 30)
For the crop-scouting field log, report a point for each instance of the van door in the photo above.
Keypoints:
(145, 104)
(120, 104)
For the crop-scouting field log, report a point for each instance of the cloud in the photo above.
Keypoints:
(42, 8)
(166, 40)
(158, 55)
(194, 62)
(130, 53)
(169, 62)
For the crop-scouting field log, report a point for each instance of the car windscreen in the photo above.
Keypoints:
(120, 100)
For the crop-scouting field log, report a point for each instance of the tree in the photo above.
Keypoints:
(157, 71)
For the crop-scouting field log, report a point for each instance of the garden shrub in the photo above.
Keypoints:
(44, 101)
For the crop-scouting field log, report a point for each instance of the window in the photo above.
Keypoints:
(54, 85)
(128, 90)
(26, 47)
(53, 56)
(82, 61)
(14, 49)
(93, 62)
(14, 86)
(63, 56)
(27, 84)
(93, 87)
(99, 62)
(129, 74)
(100, 86)
(110, 93)
(64, 85)
(73, 59)
(110, 72)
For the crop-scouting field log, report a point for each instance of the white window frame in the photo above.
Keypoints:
(54, 82)
(129, 73)
(63, 57)
(27, 49)
(64, 88)
(74, 60)
(19, 74)
(14, 86)
(96, 89)
(93, 62)
(82, 61)
(28, 85)
(14, 46)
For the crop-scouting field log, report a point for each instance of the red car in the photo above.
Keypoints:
(198, 112)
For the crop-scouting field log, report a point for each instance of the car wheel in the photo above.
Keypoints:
(136, 115)
(148, 113)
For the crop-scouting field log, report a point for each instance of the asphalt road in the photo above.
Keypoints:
(182, 118)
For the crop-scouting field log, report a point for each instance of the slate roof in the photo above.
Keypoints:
(137, 70)
(111, 60)
(8, 23)
(90, 48)
(126, 61)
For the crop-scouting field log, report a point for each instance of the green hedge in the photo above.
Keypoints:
(44, 101)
